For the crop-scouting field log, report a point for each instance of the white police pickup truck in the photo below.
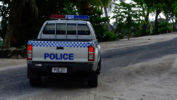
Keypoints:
(66, 46)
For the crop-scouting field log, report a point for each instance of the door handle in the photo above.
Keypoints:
(60, 48)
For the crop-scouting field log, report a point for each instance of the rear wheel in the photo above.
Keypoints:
(34, 78)
(35, 82)
(99, 67)
(93, 81)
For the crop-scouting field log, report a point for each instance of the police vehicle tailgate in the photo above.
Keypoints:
(59, 51)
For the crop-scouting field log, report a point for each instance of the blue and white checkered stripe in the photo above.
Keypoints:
(60, 44)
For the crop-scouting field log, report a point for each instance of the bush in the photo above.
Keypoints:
(138, 33)
(1, 42)
(121, 36)
(170, 28)
(110, 36)
(163, 27)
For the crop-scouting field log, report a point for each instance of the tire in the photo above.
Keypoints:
(35, 82)
(99, 67)
(93, 81)
(34, 78)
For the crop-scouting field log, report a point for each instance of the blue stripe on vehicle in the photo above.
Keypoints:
(60, 44)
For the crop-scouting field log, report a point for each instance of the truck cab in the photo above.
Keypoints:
(66, 45)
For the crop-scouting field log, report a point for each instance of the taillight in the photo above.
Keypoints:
(29, 52)
(91, 53)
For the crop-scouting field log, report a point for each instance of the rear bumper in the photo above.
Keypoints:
(73, 68)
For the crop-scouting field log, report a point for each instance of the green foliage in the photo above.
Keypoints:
(27, 16)
(4, 12)
(95, 16)
(174, 5)
(48, 7)
(98, 23)
(133, 18)
(70, 9)
(125, 12)
(110, 36)
(127, 18)
(1, 42)
(170, 27)
(23, 46)
(164, 27)
(4, 27)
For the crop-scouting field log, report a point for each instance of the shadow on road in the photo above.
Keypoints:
(63, 83)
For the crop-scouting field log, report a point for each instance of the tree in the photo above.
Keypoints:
(126, 16)
(20, 23)
(48, 7)
(174, 6)
(4, 12)
(157, 7)
(25, 17)
(105, 4)
(146, 7)
(25, 24)
(85, 5)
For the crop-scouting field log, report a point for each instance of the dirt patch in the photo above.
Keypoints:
(152, 80)
(11, 63)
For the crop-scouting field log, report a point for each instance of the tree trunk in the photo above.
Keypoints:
(156, 21)
(10, 29)
(106, 12)
(146, 23)
(8, 37)
(22, 23)
(175, 24)
(167, 20)
(106, 15)
(167, 17)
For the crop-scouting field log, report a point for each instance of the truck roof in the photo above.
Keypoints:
(67, 21)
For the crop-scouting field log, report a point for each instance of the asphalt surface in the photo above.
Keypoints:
(13, 82)
(132, 55)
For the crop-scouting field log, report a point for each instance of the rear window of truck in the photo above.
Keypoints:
(61, 29)
(49, 29)
(69, 29)
(83, 29)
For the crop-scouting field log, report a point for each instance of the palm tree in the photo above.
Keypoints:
(84, 4)
(107, 4)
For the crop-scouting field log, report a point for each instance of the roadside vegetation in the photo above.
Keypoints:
(21, 20)
(133, 19)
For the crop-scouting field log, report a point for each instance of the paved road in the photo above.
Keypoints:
(13, 82)
(132, 55)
